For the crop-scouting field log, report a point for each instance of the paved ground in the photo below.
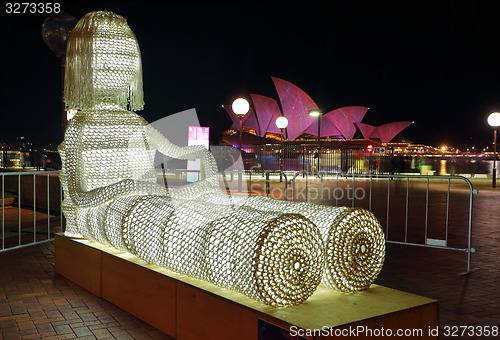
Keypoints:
(464, 300)
(35, 303)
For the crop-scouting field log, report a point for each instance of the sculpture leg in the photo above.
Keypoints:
(272, 257)
(353, 239)
(144, 225)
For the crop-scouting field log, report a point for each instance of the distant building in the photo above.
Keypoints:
(294, 104)
(26, 155)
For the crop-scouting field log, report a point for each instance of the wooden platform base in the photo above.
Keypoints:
(187, 308)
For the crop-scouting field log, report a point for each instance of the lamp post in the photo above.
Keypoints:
(281, 123)
(317, 113)
(56, 30)
(494, 121)
(240, 108)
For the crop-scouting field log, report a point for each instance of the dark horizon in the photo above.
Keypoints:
(432, 63)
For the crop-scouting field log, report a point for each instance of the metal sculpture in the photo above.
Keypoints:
(111, 194)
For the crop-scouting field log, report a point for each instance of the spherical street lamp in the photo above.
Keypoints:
(494, 121)
(281, 123)
(240, 108)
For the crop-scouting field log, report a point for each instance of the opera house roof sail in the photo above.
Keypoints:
(269, 110)
(295, 103)
(384, 132)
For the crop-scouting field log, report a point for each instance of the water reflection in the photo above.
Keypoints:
(469, 166)
(442, 167)
(464, 165)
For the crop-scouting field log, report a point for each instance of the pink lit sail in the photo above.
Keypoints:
(249, 121)
(366, 130)
(384, 132)
(339, 122)
(343, 121)
(328, 129)
(387, 132)
(232, 115)
(357, 113)
(267, 111)
(296, 104)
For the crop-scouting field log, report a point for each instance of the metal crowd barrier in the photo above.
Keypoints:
(23, 204)
(290, 191)
(233, 176)
(428, 242)
(266, 176)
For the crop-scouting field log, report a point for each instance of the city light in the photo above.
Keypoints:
(314, 113)
(240, 107)
(281, 122)
(494, 119)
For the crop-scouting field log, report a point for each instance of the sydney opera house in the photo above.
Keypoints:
(339, 124)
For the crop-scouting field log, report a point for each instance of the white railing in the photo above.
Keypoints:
(30, 208)
(400, 187)
(415, 210)
(391, 193)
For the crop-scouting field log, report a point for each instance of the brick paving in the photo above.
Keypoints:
(463, 300)
(37, 304)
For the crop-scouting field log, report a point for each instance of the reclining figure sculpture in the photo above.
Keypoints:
(257, 246)
(111, 194)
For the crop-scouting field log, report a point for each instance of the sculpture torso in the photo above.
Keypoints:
(108, 152)
(112, 146)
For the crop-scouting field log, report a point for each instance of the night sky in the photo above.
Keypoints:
(433, 62)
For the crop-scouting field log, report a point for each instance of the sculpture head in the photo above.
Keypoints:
(103, 64)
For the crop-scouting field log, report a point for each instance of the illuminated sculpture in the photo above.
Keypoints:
(108, 151)
(353, 239)
(111, 195)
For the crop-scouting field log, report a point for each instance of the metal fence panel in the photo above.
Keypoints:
(30, 208)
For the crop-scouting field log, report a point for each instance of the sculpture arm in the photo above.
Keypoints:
(124, 187)
(208, 165)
